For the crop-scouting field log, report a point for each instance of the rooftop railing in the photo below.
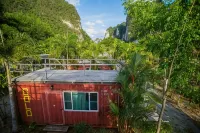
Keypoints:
(67, 64)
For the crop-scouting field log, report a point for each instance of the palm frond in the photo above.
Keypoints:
(114, 109)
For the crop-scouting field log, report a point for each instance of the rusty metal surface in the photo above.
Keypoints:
(38, 103)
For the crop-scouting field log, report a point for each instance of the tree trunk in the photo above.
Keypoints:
(161, 115)
(1, 122)
(163, 106)
(12, 99)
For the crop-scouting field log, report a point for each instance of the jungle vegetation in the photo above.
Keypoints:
(168, 37)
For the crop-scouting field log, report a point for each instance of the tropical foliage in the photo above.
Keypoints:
(161, 30)
(168, 43)
(171, 33)
(135, 104)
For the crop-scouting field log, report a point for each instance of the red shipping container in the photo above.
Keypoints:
(67, 97)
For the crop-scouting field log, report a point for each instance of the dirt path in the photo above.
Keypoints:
(180, 121)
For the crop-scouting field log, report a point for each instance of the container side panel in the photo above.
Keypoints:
(21, 107)
(107, 95)
(46, 104)
(24, 103)
(30, 104)
(36, 102)
(44, 108)
(77, 117)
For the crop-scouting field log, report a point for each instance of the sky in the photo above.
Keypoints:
(98, 15)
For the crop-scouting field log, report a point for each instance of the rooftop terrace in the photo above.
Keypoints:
(70, 76)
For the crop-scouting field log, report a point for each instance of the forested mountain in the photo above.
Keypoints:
(118, 31)
(121, 31)
(59, 14)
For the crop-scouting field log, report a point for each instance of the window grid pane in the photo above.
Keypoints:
(93, 105)
(93, 101)
(68, 105)
(67, 96)
(93, 96)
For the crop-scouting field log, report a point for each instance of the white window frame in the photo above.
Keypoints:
(88, 98)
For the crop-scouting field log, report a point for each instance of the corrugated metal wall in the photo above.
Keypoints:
(38, 103)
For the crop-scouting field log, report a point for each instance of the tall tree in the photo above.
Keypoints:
(11, 92)
(20, 34)
(170, 69)
(170, 33)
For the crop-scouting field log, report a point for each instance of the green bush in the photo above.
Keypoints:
(102, 130)
(31, 128)
(150, 127)
(82, 128)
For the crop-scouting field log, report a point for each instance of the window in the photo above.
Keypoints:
(80, 101)
(93, 101)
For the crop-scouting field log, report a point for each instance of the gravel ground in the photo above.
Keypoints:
(180, 122)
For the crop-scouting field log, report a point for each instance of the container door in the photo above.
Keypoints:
(55, 108)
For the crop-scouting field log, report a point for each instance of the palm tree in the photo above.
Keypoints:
(132, 112)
